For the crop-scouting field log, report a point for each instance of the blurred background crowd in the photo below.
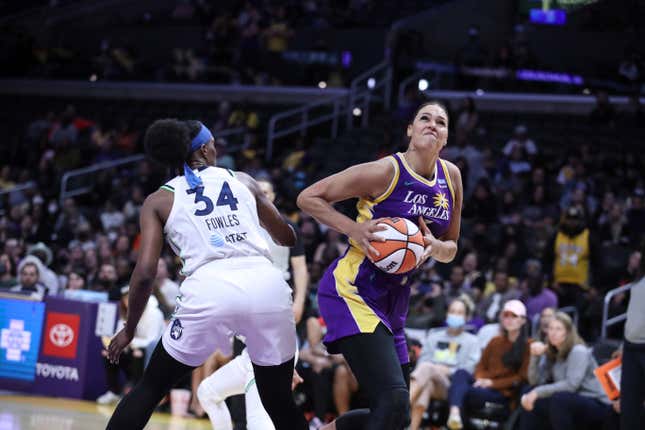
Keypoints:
(554, 204)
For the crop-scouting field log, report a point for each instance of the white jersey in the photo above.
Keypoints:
(213, 222)
(279, 254)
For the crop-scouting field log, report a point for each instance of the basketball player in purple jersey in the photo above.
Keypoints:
(364, 308)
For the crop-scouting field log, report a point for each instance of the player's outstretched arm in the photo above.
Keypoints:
(281, 232)
(141, 281)
(367, 180)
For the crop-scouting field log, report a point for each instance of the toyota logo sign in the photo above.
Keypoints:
(61, 335)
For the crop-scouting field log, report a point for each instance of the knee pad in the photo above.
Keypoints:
(207, 392)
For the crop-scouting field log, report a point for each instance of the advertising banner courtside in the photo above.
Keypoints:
(53, 348)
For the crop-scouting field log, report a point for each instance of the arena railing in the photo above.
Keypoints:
(20, 187)
(374, 85)
(81, 181)
(606, 320)
(498, 101)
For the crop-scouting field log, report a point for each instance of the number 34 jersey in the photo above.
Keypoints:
(214, 221)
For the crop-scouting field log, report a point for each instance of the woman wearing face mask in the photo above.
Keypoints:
(567, 394)
(445, 351)
(501, 370)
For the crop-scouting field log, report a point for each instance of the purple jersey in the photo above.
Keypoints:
(353, 294)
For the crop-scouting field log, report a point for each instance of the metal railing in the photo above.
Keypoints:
(81, 181)
(20, 187)
(304, 117)
(375, 85)
(606, 321)
(365, 89)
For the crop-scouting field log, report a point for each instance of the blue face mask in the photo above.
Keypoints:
(455, 321)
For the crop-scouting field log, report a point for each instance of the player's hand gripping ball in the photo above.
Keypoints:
(403, 246)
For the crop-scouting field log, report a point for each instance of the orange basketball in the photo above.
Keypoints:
(403, 246)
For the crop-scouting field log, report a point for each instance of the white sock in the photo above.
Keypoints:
(257, 417)
(227, 381)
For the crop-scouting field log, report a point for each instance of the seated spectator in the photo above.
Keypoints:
(543, 324)
(28, 282)
(321, 373)
(455, 286)
(490, 306)
(536, 296)
(444, 351)
(106, 281)
(7, 279)
(132, 359)
(522, 141)
(76, 280)
(500, 371)
(566, 393)
(166, 290)
(427, 304)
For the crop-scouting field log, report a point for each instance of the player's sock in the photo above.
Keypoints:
(257, 417)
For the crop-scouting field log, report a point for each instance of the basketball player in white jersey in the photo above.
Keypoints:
(212, 220)
(236, 377)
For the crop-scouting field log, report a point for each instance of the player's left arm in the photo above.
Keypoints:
(281, 232)
(444, 249)
(143, 276)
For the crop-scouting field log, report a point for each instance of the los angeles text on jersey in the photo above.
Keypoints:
(439, 208)
(228, 221)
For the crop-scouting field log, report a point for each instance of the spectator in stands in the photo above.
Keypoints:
(76, 279)
(536, 296)
(320, 372)
(330, 249)
(224, 159)
(444, 351)
(7, 278)
(467, 119)
(472, 54)
(427, 303)
(68, 221)
(482, 206)
(489, 308)
(106, 281)
(632, 396)
(132, 359)
(111, 217)
(570, 258)
(165, 289)
(543, 324)
(603, 113)
(44, 255)
(455, 286)
(636, 215)
(521, 140)
(474, 279)
(500, 371)
(566, 393)
(28, 282)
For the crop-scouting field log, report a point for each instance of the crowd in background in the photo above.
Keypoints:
(551, 227)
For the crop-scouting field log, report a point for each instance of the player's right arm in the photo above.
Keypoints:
(366, 180)
(280, 230)
(143, 276)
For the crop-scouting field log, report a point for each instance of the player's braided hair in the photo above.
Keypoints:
(167, 141)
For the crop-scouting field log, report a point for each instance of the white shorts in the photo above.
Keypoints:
(238, 296)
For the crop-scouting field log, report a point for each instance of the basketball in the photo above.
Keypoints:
(403, 246)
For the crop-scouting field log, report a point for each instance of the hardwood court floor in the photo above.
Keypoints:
(45, 413)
